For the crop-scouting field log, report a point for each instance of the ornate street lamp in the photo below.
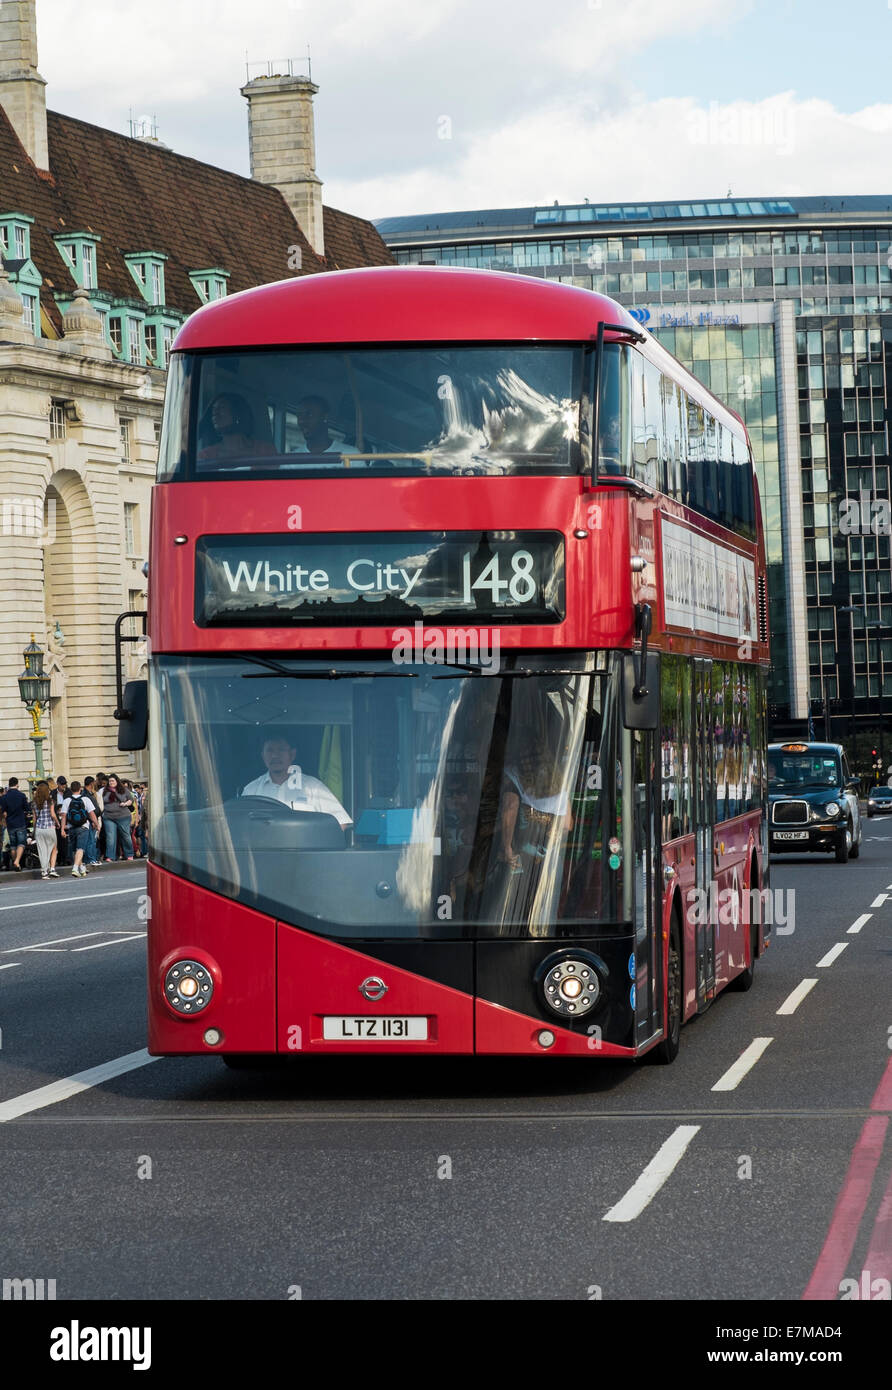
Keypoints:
(34, 690)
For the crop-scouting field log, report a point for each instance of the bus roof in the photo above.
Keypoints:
(402, 304)
(420, 304)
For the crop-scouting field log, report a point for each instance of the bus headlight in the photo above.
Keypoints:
(188, 987)
(570, 983)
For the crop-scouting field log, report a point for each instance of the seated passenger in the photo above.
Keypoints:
(610, 447)
(285, 781)
(312, 417)
(232, 421)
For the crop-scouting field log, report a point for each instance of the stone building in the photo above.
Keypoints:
(107, 243)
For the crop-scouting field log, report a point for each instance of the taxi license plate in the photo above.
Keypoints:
(791, 834)
(353, 1028)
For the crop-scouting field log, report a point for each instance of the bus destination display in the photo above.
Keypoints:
(472, 576)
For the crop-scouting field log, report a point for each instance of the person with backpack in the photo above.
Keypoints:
(117, 805)
(77, 817)
(13, 807)
(95, 795)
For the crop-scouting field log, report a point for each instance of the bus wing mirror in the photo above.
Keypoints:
(133, 714)
(641, 701)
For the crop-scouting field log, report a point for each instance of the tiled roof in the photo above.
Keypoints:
(139, 197)
(351, 242)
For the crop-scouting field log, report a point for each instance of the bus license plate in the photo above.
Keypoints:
(791, 835)
(381, 1029)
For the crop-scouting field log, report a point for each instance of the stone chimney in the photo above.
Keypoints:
(22, 93)
(283, 146)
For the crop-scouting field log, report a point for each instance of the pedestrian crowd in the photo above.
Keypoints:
(81, 824)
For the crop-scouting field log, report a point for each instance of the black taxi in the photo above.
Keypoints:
(812, 801)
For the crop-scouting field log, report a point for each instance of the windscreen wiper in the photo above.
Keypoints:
(519, 673)
(332, 674)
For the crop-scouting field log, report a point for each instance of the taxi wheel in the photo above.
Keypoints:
(855, 848)
(843, 846)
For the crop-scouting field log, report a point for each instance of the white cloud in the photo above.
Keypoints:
(594, 32)
(780, 146)
(539, 101)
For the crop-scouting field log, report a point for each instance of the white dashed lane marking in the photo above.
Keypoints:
(833, 954)
(859, 922)
(745, 1062)
(646, 1187)
(792, 1002)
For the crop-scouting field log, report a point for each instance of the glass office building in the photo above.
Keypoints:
(783, 307)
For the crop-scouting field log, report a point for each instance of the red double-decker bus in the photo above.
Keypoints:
(455, 708)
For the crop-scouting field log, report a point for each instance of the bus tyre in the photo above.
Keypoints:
(842, 846)
(667, 1050)
(244, 1061)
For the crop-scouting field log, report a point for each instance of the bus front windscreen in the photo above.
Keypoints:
(364, 799)
(385, 412)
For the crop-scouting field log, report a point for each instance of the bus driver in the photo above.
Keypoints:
(285, 781)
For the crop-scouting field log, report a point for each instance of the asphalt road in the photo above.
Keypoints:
(490, 1179)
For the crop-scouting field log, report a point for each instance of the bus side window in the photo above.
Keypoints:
(613, 428)
(695, 489)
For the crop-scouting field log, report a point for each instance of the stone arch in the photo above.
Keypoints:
(72, 578)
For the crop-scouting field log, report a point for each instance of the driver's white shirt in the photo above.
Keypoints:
(300, 792)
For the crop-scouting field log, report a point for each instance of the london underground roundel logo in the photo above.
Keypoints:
(640, 315)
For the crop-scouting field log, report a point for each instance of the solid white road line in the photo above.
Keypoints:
(97, 945)
(735, 1074)
(832, 954)
(71, 1085)
(646, 1187)
(879, 900)
(12, 965)
(792, 1001)
(72, 897)
(859, 922)
(45, 945)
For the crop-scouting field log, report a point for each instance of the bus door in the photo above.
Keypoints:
(704, 812)
(640, 801)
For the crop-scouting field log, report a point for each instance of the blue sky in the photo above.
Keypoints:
(817, 49)
(538, 99)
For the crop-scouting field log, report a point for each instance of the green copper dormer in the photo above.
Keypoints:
(27, 279)
(15, 236)
(78, 251)
(126, 331)
(160, 330)
(147, 269)
(209, 284)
